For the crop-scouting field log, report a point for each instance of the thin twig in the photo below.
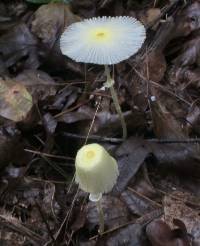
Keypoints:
(174, 141)
(71, 109)
(120, 140)
(145, 197)
(142, 221)
(48, 155)
(93, 137)
(160, 87)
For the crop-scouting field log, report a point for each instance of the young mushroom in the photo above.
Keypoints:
(104, 41)
(96, 173)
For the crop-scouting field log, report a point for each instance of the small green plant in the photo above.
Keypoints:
(96, 173)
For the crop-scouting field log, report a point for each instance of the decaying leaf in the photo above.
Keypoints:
(133, 152)
(175, 208)
(84, 8)
(15, 100)
(129, 235)
(38, 83)
(160, 234)
(17, 44)
(138, 205)
(131, 155)
(187, 20)
(50, 20)
(150, 15)
(48, 24)
(190, 53)
(10, 149)
(164, 123)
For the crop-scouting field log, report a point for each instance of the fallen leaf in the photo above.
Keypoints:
(165, 125)
(138, 205)
(130, 235)
(187, 20)
(130, 156)
(15, 100)
(84, 8)
(189, 55)
(11, 147)
(50, 20)
(17, 44)
(39, 84)
(175, 208)
(155, 66)
(149, 16)
(160, 234)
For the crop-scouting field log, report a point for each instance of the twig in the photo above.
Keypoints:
(93, 137)
(174, 141)
(48, 155)
(71, 109)
(161, 87)
(145, 197)
(120, 140)
(146, 219)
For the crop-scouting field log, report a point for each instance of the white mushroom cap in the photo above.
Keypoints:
(103, 40)
(96, 170)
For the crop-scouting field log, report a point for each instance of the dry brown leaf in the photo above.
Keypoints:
(19, 44)
(160, 234)
(39, 84)
(84, 8)
(188, 20)
(164, 123)
(50, 21)
(15, 100)
(175, 208)
(150, 15)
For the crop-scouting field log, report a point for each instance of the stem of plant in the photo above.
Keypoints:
(110, 84)
(101, 216)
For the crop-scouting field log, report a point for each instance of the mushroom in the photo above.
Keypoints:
(104, 41)
(96, 173)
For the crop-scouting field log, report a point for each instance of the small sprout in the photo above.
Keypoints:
(96, 173)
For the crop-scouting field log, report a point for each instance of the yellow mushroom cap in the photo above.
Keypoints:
(96, 170)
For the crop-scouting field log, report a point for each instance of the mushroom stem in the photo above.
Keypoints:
(110, 84)
(101, 216)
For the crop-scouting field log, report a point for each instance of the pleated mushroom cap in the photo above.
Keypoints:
(96, 170)
(103, 40)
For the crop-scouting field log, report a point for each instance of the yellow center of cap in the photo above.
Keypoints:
(90, 154)
(100, 34)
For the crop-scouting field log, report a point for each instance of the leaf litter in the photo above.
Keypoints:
(47, 106)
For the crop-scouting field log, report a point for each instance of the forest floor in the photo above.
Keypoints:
(50, 106)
